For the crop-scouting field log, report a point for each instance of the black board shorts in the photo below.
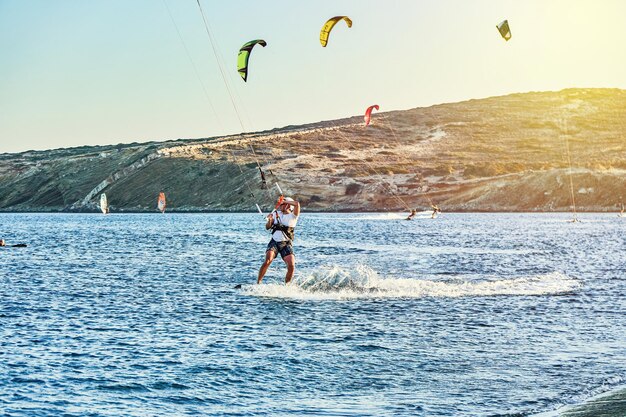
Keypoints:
(284, 248)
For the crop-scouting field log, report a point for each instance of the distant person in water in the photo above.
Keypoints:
(413, 213)
(19, 245)
(282, 223)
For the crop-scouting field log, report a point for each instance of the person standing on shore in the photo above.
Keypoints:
(282, 223)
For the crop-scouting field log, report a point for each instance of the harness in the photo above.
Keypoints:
(288, 232)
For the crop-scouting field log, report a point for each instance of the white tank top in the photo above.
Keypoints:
(288, 220)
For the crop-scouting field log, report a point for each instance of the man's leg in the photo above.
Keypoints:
(269, 257)
(290, 260)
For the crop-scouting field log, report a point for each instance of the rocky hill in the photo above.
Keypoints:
(506, 153)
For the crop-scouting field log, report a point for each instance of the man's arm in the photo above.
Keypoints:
(296, 208)
(270, 221)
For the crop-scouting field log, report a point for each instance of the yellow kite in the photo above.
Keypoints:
(329, 25)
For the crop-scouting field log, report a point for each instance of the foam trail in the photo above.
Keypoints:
(396, 216)
(386, 216)
(362, 282)
(383, 216)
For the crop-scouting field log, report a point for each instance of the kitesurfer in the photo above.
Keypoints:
(413, 213)
(282, 223)
(2, 242)
(436, 210)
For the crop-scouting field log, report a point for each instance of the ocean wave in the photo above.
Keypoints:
(335, 282)
(606, 399)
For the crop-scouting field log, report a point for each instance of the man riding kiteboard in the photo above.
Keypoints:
(282, 223)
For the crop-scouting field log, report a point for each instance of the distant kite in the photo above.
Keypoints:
(244, 56)
(504, 30)
(328, 27)
(368, 114)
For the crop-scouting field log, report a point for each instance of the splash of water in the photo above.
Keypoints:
(335, 282)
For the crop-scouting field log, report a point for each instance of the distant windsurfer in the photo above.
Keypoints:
(282, 223)
(413, 213)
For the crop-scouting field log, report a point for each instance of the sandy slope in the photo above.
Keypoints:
(497, 154)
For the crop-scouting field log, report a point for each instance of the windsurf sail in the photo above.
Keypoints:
(104, 204)
(161, 202)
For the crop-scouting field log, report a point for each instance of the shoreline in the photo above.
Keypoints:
(611, 403)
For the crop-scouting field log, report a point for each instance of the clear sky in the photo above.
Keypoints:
(76, 72)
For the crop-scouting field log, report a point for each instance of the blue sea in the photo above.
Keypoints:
(463, 315)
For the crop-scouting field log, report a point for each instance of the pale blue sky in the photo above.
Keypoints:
(76, 72)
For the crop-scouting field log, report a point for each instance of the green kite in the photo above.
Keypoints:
(244, 56)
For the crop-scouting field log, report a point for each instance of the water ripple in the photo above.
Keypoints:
(467, 315)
